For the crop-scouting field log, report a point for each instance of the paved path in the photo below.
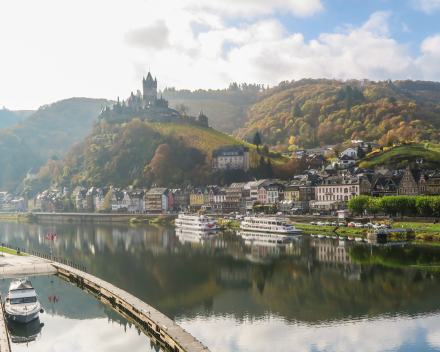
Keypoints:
(4, 337)
(13, 266)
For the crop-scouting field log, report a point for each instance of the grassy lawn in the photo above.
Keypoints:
(427, 151)
(418, 226)
(9, 251)
(342, 231)
(207, 139)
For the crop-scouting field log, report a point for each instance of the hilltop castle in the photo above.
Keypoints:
(148, 107)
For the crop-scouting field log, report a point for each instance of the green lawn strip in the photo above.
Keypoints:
(9, 251)
(414, 150)
(342, 231)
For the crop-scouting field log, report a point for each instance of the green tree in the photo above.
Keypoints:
(387, 205)
(358, 204)
(411, 205)
(423, 205)
(435, 204)
(297, 111)
(392, 100)
(360, 152)
(257, 139)
(269, 169)
(369, 148)
(401, 204)
(372, 206)
(265, 149)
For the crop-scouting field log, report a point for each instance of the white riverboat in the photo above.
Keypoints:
(267, 239)
(22, 304)
(269, 225)
(196, 222)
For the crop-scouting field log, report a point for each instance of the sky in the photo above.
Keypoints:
(52, 50)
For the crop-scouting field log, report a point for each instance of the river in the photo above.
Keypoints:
(312, 295)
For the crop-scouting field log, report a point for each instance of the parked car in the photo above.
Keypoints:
(231, 218)
(313, 223)
(320, 223)
(358, 224)
(342, 224)
(369, 225)
(351, 224)
(377, 226)
(328, 223)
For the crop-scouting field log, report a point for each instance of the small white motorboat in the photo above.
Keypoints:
(22, 304)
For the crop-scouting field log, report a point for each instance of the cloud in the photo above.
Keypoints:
(250, 8)
(265, 52)
(273, 334)
(154, 36)
(427, 6)
(428, 62)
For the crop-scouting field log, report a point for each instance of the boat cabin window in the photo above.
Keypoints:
(23, 300)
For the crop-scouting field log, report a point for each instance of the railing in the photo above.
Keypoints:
(2, 307)
(47, 257)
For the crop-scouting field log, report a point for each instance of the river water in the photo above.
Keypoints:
(312, 295)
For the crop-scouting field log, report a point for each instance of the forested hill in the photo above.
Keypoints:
(10, 117)
(51, 130)
(329, 111)
(142, 154)
(226, 109)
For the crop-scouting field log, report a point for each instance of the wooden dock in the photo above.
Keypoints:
(5, 345)
(163, 331)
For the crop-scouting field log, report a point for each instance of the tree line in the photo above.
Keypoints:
(411, 205)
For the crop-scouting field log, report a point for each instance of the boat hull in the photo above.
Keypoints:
(22, 318)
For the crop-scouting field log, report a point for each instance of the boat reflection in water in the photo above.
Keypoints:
(24, 334)
(267, 239)
(194, 236)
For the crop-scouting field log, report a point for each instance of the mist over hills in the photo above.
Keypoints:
(49, 131)
(313, 111)
(11, 117)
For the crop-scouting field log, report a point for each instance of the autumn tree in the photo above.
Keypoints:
(160, 166)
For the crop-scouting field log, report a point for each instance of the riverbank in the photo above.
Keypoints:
(86, 217)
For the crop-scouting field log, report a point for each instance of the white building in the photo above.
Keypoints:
(32, 174)
(349, 152)
(231, 157)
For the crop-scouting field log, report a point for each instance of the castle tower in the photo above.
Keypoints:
(150, 89)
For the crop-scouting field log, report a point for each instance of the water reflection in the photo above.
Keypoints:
(75, 321)
(25, 333)
(322, 289)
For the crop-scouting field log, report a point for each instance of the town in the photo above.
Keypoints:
(315, 190)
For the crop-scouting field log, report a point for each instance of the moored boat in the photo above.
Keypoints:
(321, 236)
(196, 222)
(269, 225)
(22, 304)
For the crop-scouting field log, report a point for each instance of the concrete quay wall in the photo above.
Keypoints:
(96, 217)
